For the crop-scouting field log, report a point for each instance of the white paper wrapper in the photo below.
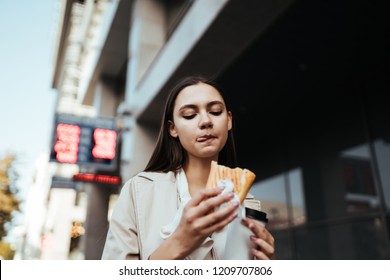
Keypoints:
(229, 187)
(238, 245)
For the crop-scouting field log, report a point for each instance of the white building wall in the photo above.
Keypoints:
(56, 238)
(35, 209)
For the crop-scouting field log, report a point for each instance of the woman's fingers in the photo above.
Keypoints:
(204, 217)
(200, 217)
(206, 202)
(260, 255)
(267, 251)
(204, 194)
(219, 218)
(262, 238)
(259, 230)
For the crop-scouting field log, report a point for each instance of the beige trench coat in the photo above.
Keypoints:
(146, 203)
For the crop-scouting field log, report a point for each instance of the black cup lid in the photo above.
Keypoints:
(255, 214)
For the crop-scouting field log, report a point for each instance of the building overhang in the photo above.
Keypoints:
(109, 55)
(231, 32)
(63, 33)
(113, 55)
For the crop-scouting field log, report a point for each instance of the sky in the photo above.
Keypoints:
(27, 99)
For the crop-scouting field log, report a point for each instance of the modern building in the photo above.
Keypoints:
(306, 81)
(29, 237)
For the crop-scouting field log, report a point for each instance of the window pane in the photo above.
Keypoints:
(298, 208)
(361, 193)
(382, 153)
(271, 192)
(350, 239)
(378, 114)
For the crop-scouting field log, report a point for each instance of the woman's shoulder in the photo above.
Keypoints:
(154, 176)
(150, 177)
(148, 181)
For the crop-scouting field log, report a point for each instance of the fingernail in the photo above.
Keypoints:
(230, 194)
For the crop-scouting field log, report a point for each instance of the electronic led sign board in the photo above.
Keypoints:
(84, 141)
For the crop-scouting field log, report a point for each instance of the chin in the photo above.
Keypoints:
(209, 154)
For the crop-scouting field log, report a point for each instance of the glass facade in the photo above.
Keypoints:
(325, 183)
(312, 120)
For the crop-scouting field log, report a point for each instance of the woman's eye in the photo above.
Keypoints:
(216, 113)
(188, 117)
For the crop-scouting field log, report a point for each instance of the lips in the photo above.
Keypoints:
(205, 138)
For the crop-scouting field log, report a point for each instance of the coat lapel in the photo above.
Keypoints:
(156, 204)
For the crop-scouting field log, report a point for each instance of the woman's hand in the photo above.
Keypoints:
(263, 239)
(201, 218)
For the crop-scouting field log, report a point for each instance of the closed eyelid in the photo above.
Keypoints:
(188, 111)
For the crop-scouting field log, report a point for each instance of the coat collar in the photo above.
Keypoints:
(156, 176)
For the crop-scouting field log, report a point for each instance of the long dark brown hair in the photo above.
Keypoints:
(169, 155)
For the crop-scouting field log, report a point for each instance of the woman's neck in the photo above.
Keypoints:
(197, 172)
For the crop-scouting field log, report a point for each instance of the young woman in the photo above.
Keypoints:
(165, 212)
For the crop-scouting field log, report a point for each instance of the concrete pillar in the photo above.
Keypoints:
(148, 35)
(96, 224)
(105, 100)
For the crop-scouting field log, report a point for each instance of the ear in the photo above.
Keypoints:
(230, 120)
(172, 129)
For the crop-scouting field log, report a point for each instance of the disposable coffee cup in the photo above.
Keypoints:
(238, 244)
(257, 215)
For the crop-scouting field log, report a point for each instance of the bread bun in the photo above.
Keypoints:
(242, 179)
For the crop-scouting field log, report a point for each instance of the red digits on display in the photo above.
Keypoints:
(67, 144)
(105, 143)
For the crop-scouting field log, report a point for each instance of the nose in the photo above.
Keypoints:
(205, 121)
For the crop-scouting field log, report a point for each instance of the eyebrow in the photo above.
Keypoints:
(192, 106)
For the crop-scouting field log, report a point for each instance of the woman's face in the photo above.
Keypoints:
(200, 121)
